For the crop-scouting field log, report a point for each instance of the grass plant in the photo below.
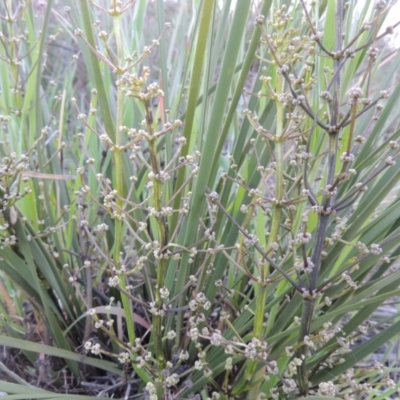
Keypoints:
(199, 199)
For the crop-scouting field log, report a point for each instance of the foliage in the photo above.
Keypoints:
(197, 209)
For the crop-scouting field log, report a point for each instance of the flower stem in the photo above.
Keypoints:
(309, 299)
(163, 241)
(261, 290)
(119, 186)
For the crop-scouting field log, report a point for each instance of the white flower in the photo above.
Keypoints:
(95, 349)
(327, 388)
(164, 293)
(216, 338)
(98, 324)
(171, 335)
(88, 345)
(113, 281)
(376, 249)
(123, 357)
(183, 355)
(172, 380)
(198, 365)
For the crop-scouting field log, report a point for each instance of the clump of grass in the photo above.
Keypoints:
(161, 240)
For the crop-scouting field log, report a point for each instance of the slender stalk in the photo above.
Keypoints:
(119, 186)
(163, 240)
(207, 10)
(206, 17)
(309, 293)
(261, 291)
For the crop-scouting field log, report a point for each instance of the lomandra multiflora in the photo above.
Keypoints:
(219, 220)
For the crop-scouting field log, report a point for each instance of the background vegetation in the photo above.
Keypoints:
(199, 200)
